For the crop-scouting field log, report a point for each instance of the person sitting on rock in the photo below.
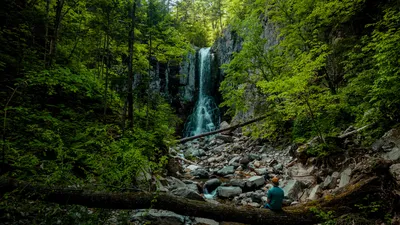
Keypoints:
(275, 196)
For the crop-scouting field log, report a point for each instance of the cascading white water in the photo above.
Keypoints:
(205, 116)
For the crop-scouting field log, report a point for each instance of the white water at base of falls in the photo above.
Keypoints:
(205, 116)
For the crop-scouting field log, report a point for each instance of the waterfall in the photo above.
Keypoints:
(205, 116)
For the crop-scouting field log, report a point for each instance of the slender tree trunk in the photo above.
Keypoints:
(130, 69)
(46, 35)
(103, 57)
(107, 75)
(57, 24)
(150, 55)
(313, 119)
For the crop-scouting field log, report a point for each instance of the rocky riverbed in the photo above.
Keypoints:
(231, 168)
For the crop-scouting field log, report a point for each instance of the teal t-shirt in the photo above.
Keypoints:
(276, 195)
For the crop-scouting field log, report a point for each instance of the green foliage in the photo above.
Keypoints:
(327, 217)
(310, 72)
(64, 94)
(369, 207)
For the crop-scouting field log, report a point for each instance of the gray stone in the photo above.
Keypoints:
(389, 144)
(257, 196)
(329, 183)
(201, 173)
(193, 167)
(228, 192)
(212, 184)
(245, 160)
(204, 221)
(394, 154)
(395, 171)
(264, 200)
(255, 182)
(159, 217)
(261, 171)
(174, 183)
(292, 189)
(314, 194)
(278, 167)
(234, 160)
(254, 204)
(335, 175)
(226, 170)
(224, 125)
(225, 138)
(345, 177)
(187, 193)
(236, 147)
(238, 183)
(253, 156)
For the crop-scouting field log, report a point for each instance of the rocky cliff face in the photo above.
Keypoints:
(224, 48)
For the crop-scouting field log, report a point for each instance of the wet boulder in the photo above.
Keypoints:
(187, 193)
(212, 184)
(255, 182)
(229, 192)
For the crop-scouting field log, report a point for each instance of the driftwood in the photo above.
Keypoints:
(354, 131)
(183, 140)
(342, 202)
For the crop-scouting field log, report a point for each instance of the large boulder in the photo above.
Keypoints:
(389, 144)
(212, 184)
(238, 183)
(261, 171)
(345, 177)
(187, 193)
(315, 192)
(255, 182)
(229, 192)
(226, 170)
(292, 189)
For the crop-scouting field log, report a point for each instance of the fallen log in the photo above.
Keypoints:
(144, 200)
(342, 202)
(183, 140)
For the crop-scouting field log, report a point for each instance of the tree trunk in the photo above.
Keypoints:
(57, 24)
(183, 140)
(130, 69)
(46, 35)
(342, 202)
(144, 200)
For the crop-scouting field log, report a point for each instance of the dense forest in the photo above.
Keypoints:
(83, 104)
